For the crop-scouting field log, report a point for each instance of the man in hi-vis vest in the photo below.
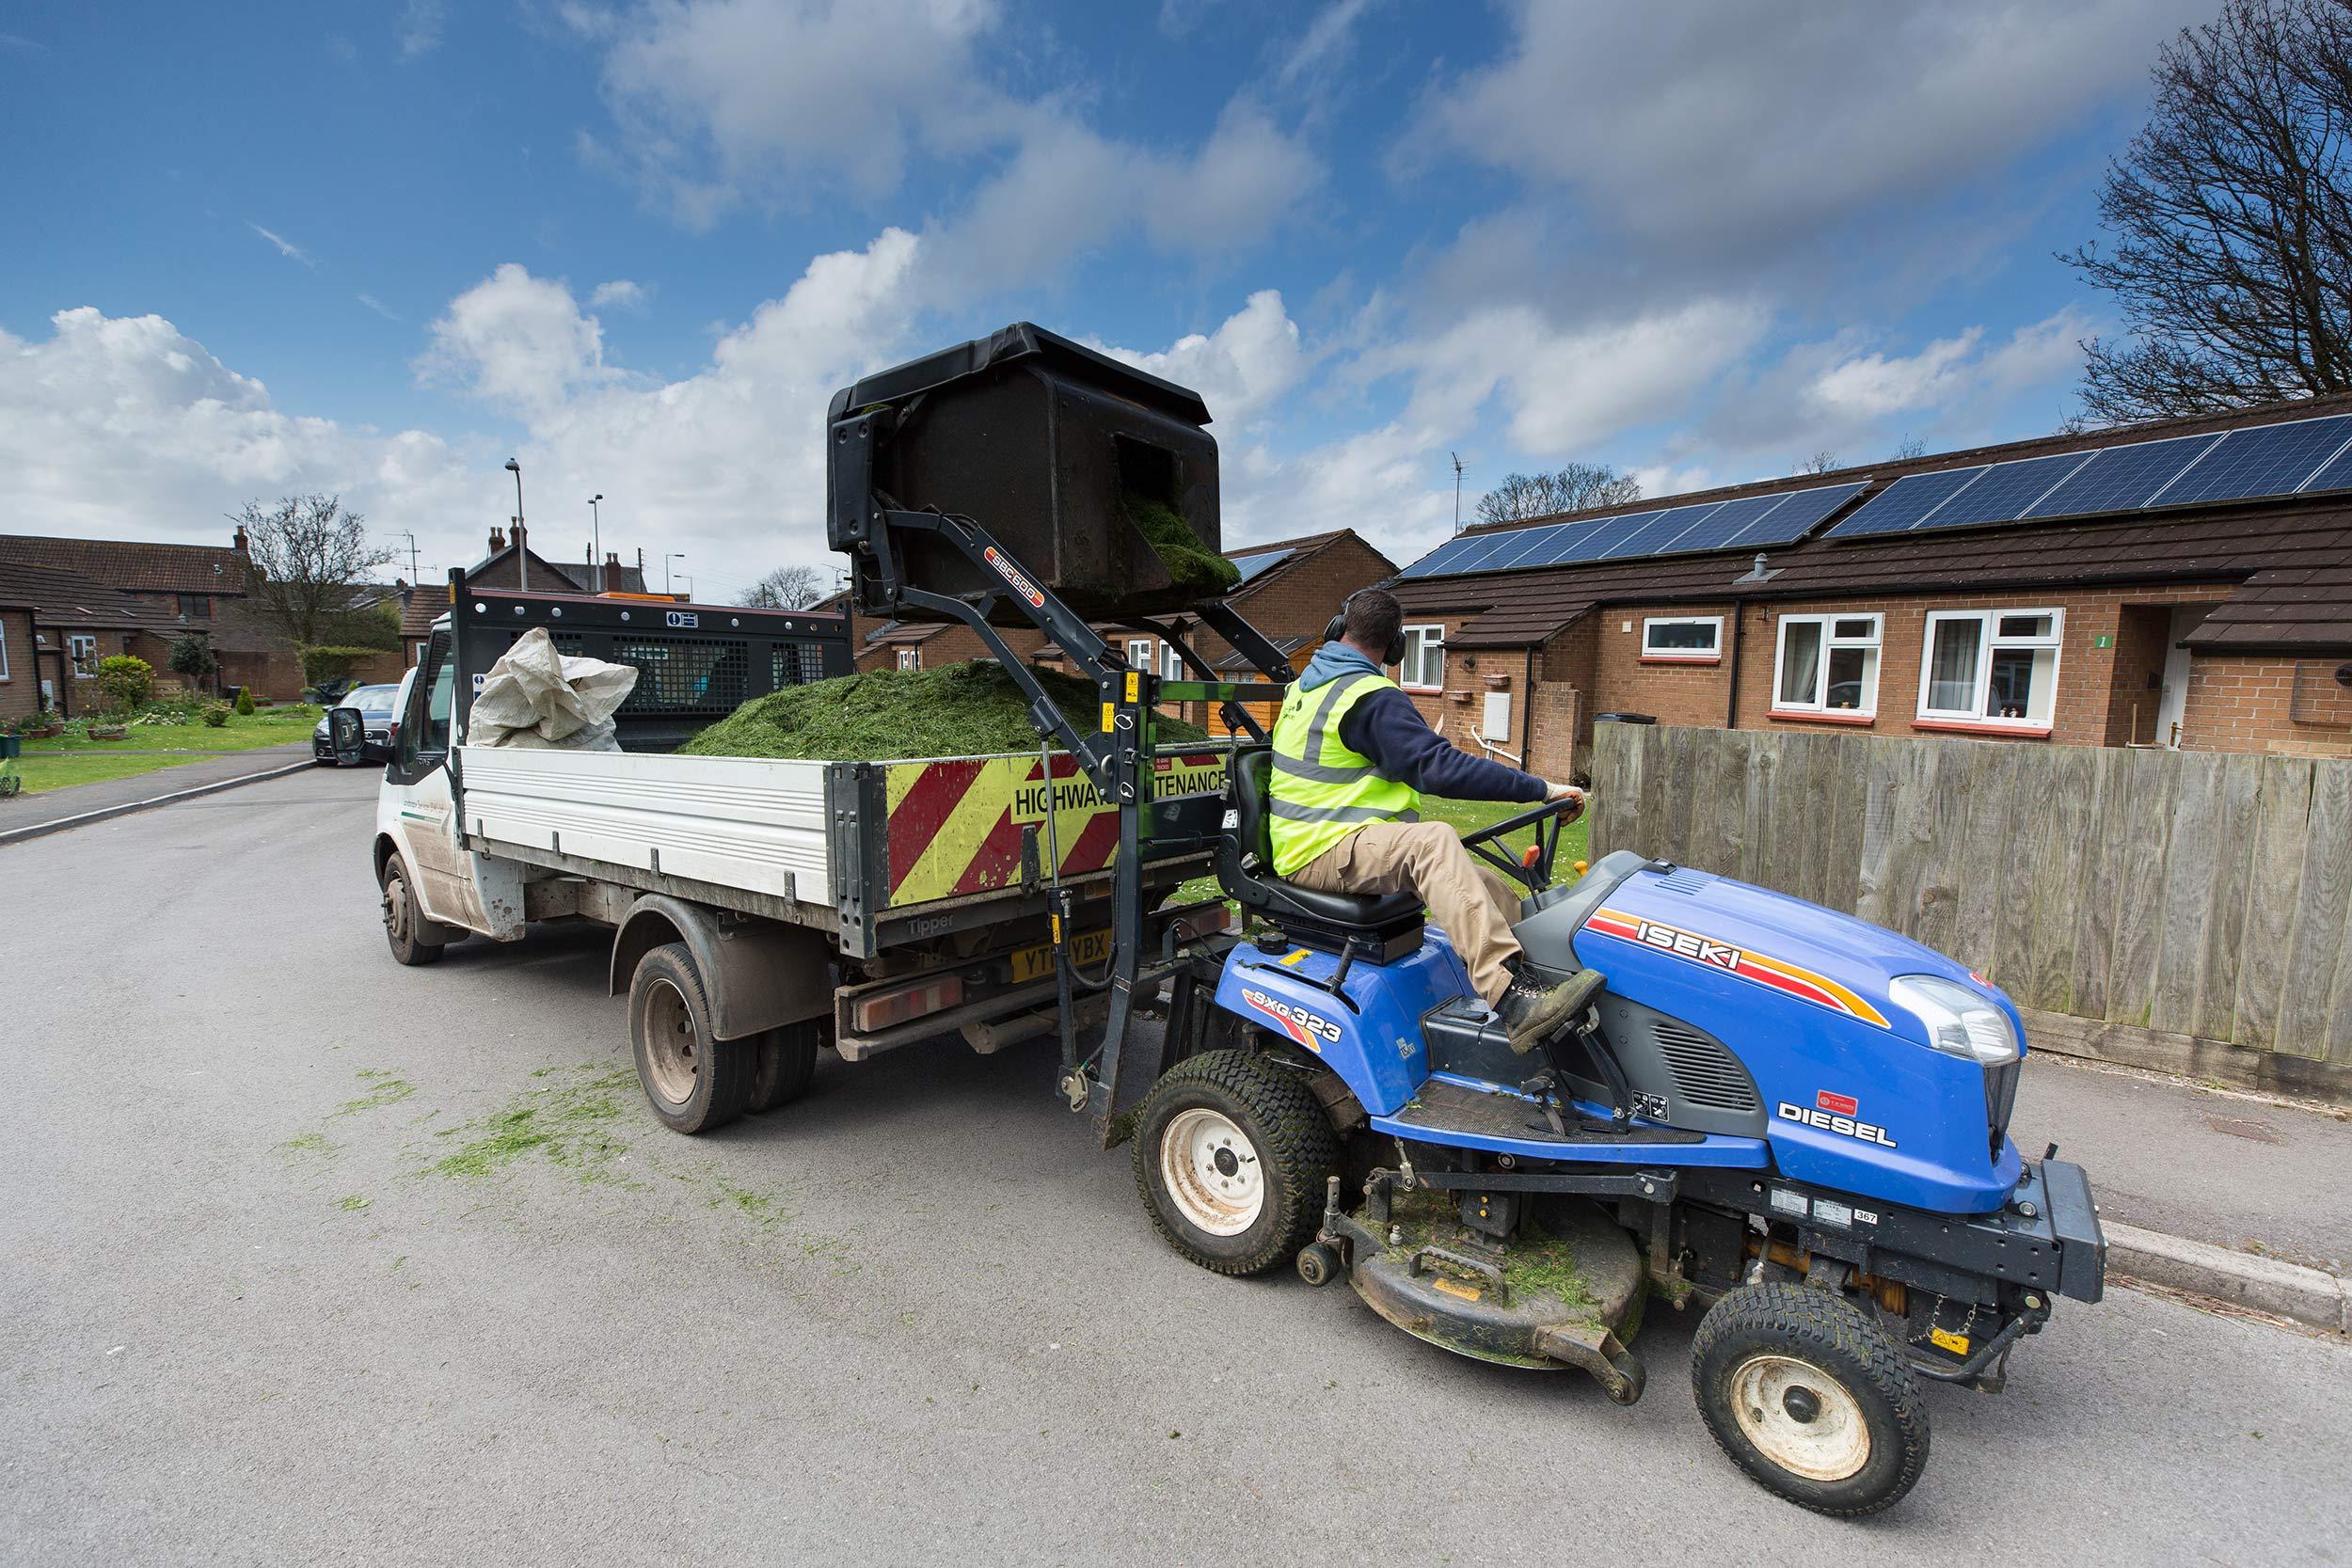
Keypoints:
(1352, 759)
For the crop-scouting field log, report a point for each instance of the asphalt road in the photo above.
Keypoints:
(283, 1279)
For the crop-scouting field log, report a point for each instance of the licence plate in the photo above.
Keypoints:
(1037, 963)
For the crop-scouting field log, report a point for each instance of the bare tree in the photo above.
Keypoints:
(2232, 220)
(1907, 448)
(1577, 487)
(1822, 462)
(307, 554)
(785, 588)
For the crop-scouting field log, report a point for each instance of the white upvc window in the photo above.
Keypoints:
(1139, 653)
(83, 650)
(1828, 664)
(1423, 664)
(1682, 639)
(1993, 667)
(910, 658)
(1172, 663)
(3, 649)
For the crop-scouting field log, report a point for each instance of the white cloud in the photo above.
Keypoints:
(720, 103)
(124, 427)
(421, 25)
(286, 247)
(1950, 379)
(518, 341)
(377, 306)
(1325, 42)
(1241, 369)
(620, 293)
(1675, 121)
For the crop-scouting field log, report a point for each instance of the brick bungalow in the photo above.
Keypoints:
(63, 626)
(2218, 626)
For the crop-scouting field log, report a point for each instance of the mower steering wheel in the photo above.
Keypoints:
(1546, 819)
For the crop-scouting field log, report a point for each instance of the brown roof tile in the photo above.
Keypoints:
(134, 564)
(70, 601)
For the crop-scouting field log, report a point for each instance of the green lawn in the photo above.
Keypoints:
(56, 764)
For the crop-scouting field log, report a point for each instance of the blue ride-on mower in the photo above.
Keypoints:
(1783, 1115)
(1792, 1117)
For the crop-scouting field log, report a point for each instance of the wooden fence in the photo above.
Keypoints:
(2192, 897)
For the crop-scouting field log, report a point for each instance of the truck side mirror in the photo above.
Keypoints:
(347, 732)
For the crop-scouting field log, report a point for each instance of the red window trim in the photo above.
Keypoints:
(1961, 726)
(1682, 659)
(1827, 715)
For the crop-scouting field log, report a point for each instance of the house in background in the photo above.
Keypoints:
(19, 666)
(69, 623)
(507, 563)
(2186, 583)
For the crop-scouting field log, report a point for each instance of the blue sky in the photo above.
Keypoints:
(377, 248)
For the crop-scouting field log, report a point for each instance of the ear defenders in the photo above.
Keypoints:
(1337, 628)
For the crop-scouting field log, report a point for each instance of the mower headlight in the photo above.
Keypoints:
(1960, 1022)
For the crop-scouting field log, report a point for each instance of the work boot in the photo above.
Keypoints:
(1540, 1002)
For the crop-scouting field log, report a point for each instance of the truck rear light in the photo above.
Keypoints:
(888, 1008)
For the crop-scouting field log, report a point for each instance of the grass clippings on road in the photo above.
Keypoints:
(568, 1123)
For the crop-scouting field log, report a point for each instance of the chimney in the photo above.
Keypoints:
(498, 540)
(243, 542)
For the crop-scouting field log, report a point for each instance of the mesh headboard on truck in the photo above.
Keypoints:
(694, 663)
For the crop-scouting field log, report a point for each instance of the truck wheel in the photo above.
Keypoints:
(1231, 1154)
(695, 1082)
(402, 918)
(1810, 1398)
(784, 1061)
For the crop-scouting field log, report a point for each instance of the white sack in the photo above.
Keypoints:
(536, 697)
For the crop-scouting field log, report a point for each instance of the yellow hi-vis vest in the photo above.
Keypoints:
(1322, 791)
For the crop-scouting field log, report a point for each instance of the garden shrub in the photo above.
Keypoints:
(244, 700)
(125, 681)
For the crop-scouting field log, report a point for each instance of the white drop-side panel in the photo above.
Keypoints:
(741, 822)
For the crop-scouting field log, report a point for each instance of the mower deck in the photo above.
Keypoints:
(1565, 1291)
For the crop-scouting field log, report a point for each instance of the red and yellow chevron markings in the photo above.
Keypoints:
(1713, 953)
(955, 825)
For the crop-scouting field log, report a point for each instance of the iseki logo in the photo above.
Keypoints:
(1706, 950)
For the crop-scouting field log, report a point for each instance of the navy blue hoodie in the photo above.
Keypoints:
(1387, 728)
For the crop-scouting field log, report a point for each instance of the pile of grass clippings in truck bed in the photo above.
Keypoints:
(1194, 568)
(956, 710)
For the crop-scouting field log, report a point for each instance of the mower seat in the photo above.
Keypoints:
(1380, 926)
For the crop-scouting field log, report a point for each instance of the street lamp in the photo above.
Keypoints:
(679, 555)
(595, 530)
(522, 553)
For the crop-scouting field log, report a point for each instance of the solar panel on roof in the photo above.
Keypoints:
(2337, 475)
(1567, 543)
(1487, 546)
(1901, 504)
(1435, 560)
(1723, 524)
(1252, 564)
(1528, 544)
(1605, 535)
(2266, 460)
(1799, 511)
(2123, 478)
(1651, 533)
(2006, 491)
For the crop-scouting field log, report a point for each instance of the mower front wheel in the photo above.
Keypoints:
(1810, 1398)
(1233, 1155)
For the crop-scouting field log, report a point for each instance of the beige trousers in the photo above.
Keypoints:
(1473, 903)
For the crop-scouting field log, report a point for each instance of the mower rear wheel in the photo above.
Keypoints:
(1810, 1398)
(1232, 1154)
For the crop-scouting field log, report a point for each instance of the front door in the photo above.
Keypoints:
(2173, 701)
